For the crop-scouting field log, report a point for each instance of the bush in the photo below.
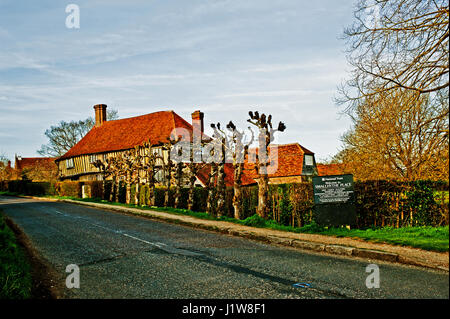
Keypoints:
(69, 189)
(254, 221)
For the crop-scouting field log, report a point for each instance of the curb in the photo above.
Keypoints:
(341, 250)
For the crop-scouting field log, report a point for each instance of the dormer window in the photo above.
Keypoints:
(69, 163)
(309, 160)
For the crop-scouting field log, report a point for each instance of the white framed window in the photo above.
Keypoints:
(309, 160)
(69, 163)
(92, 158)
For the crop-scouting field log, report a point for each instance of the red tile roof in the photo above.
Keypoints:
(203, 174)
(290, 163)
(330, 169)
(286, 161)
(127, 133)
(31, 162)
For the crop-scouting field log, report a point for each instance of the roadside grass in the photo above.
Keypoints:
(15, 270)
(423, 237)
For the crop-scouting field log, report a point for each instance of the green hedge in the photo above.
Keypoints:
(378, 203)
(32, 188)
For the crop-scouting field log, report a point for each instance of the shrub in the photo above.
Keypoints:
(70, 189)
(255, 221)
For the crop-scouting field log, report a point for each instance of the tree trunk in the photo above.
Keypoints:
(192, 178)
(237, 201)
(220, 190)
(263, 191)
(237, 194)
(136, 194)
(210, 199)
(113, 189)
(104, 187)
(128, 188)
(179, 176)
(116, 194)
(168, 183)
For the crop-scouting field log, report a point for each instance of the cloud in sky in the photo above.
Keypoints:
(225, 57)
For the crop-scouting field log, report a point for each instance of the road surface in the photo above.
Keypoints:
(124, 256)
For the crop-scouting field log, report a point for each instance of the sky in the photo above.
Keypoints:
(223, 57)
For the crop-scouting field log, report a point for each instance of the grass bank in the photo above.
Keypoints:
(15, 270)
(424, 237)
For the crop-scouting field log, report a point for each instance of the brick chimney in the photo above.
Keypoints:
(100, 114)
(197, 121)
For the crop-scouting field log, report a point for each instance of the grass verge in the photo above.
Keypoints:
(423, 237)
(15, 270)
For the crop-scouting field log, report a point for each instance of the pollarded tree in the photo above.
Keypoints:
(222, 142)
(210, 186)
(239, 151)
(194, 168)
(265, 137)
(130, 162)
(178, 183)
(152, 163)
(106, 170)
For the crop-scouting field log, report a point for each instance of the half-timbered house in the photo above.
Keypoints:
(107, 139)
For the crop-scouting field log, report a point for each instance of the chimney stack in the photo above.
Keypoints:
(197, 121)
(100, 114)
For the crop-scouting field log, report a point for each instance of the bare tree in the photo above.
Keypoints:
(397, 44)
(194, 168)
(168, 172)
(116, 171)
(178, 183)
(149, 166)
(265, 137)
(105, 170)
(65, 135)
(239, 151)
(222, 141)
(130, 162)
(210, 186)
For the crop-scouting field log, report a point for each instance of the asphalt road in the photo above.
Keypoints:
(124, 256)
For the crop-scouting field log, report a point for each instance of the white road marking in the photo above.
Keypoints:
(159, 245)
(144, 241)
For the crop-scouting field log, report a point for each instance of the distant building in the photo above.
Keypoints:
(203, 176)
(290, 163)
(36, 169)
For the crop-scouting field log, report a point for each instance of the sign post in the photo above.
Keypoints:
(334, 203)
